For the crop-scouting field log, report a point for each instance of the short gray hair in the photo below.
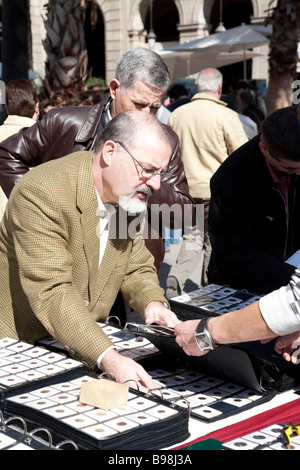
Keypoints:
(209, 80)
(144, 65)
(127, 126)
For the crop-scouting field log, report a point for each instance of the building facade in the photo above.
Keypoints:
(124, 24)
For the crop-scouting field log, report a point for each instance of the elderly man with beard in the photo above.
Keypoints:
(63, 253)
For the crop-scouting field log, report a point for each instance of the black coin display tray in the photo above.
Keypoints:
(146, 422)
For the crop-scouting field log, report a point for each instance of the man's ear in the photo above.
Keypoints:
(262, 147)
(113, 87)
(108, 151)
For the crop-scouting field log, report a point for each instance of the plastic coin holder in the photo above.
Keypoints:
(126, 344)
(157, 373)
(50, 369)
(11, 380)
(259, 438)
(67, 363)
(78, 382)
(101, 415)
(59, 411)
(34, 352)
(80, 407)
(161, 411)
(131, 354)
(207, 412)
(249, 394)
(4, 342)
(183, 391)
(33, 363)
(140, 403)
(236, 401)
(3, 374)
(168, 394)
(5, 353)
(19, 347)
(44, 392)
(13, 358)
(144, 351)
(52, 357)
(184, 403)
(231, 387)
(210, 381)
(62, 398)
(217, 393)
(121, 424)
(109, 330)
(79, 421)
(31, 375)
(200, 400)
(40, 404)
(281, 446)
(23, 398)
(123, 410)
(192, 375)
(143, 418)
(4, 362)
(99, 431)
(14, 368)
(240, 444)
(196, 387)
(273, 430)
(65, 386)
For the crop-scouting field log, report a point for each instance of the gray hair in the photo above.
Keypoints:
(127, 126)
(144, 65)
(209, 80)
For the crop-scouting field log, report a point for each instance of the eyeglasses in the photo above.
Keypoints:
(147, 173)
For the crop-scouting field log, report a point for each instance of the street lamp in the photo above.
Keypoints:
(220, 28)
(151, 36)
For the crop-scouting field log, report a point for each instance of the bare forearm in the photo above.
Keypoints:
(239, 326)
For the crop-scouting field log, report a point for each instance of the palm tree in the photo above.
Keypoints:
(67, 59)
(283, 57)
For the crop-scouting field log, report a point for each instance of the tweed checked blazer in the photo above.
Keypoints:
(49, 257)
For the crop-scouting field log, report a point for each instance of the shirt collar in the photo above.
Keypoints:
(105, 211)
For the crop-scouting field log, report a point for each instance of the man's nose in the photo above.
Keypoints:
(154, 182)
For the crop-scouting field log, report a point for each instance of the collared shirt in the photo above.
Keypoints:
(105, 212)
(282, 183)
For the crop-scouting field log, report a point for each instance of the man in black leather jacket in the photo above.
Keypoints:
(254, 222)
(141, 81)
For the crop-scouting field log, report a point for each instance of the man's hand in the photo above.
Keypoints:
(289, 347)
(184, 332)
(124, 369)
(157, 312)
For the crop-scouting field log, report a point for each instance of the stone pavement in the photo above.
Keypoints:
(170, 258)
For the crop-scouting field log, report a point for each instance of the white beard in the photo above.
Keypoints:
(134, 206)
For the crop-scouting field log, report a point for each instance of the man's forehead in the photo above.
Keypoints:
(140, 87)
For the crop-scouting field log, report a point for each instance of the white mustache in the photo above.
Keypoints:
(143, 189)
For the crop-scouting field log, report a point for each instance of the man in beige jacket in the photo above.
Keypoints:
(22, 107)
(209, 132)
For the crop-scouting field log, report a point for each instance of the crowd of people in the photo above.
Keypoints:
(93, 186)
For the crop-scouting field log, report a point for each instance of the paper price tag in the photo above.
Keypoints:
(104, 394)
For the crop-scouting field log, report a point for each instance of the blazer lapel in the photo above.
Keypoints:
(114, 247)
(88, 205)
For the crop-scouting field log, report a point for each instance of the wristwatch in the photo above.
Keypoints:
(203, 336)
